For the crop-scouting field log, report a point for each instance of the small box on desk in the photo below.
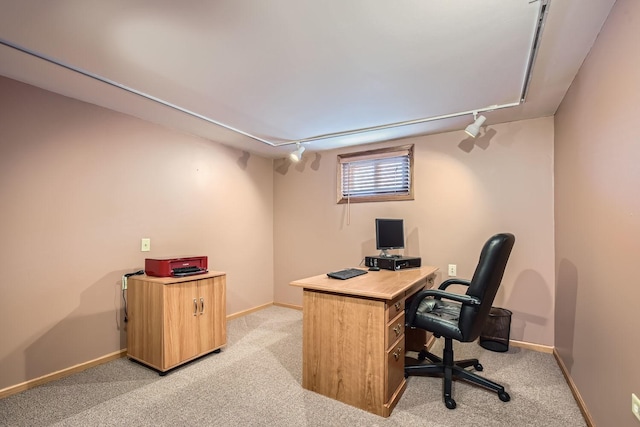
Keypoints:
(392, 263)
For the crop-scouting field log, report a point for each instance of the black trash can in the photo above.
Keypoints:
(495, 334)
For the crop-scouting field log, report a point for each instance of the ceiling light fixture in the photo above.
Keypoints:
(473, 129)
(296, 155)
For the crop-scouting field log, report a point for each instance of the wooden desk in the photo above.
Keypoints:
(353, 342)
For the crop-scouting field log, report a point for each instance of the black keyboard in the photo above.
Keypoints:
(347, 273)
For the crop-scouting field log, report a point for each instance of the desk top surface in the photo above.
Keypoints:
(383, 284)
(172, 280)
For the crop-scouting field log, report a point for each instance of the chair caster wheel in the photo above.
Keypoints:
(478, 367)
(422, 355)
(406, 375)
(450, 403)
(504, 396)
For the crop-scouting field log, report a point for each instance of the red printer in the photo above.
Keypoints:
(175, 267)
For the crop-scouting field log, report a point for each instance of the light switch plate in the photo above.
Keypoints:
(145, 245)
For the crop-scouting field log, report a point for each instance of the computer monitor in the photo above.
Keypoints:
(389, 235)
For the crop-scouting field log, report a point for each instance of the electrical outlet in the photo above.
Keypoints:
(145, 245)
(452, 270)
(635, 405)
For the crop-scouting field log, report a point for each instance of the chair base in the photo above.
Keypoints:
(451, 369)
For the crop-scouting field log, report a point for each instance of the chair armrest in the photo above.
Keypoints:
(444, 285)
(438, 294)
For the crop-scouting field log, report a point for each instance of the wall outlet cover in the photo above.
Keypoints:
(453, 270)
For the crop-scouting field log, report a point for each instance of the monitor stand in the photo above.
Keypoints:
(385, 254)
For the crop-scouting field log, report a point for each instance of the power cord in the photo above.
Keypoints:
(124, 288)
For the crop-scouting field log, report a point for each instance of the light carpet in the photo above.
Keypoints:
(256, 381)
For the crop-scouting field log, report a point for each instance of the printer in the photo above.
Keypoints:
(175, 267)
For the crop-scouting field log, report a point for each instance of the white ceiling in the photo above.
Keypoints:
(261, 75)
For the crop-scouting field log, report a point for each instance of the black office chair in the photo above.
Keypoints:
(460, 317)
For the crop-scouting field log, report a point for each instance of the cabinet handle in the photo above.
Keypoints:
(396, 354)
(195, 307)
(398, 329)
(201, 305)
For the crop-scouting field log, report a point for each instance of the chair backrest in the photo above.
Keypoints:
(485, 283)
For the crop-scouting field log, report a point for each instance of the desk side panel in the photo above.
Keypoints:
(144, 329)
(344, 349)
(220, 311)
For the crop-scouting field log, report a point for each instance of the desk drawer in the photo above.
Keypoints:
(427, 283)
(416, 288)
(395, 368)
(394, 330)
(395, 307)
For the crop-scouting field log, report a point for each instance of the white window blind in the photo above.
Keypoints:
(376, 175)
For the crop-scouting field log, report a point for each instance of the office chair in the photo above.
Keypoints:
(460, 317)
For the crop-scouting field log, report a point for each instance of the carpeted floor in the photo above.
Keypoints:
(256, 381)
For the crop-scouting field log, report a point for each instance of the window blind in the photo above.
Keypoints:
(376, 175)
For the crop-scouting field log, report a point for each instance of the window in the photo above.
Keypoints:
(377, 175)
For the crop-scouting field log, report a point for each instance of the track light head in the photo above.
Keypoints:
(474, 128)
(296, 155)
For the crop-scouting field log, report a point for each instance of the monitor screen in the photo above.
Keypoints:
(389, 234)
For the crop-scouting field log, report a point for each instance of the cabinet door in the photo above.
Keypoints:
(212, 313)
(206, 312)
(181, 308)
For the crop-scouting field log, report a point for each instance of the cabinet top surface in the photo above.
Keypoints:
(170, 280)
(383, 284)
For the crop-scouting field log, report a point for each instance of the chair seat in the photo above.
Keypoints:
(439, 317)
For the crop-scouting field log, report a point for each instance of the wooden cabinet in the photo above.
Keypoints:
(174, 320)
(354, 339)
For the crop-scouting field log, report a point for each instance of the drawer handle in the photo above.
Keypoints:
(396, 354)
(201, 305)
(195, 307)
(398, 329)
(430, 280)
(398, 305)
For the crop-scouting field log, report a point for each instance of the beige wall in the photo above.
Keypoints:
(80, 185)
(465, 191)
(597, 214)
